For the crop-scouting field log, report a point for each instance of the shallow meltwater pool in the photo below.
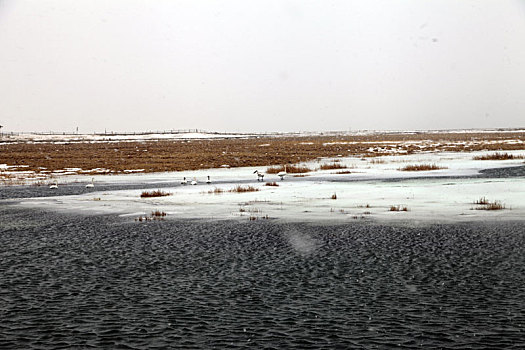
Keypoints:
(109, 282)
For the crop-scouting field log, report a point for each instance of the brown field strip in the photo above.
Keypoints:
(177, 155)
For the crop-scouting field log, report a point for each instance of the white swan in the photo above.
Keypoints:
(194, 181)
(282, 174)
(184, 181)
(91, 185)
(208, 181)
(260, 176)
(53, 186)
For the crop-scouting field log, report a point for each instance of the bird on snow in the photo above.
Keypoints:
(282, 174)
(91, 185)
(260, 176)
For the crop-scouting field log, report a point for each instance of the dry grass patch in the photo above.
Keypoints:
(242, 189)
(157, 193)
(275, 184)
(485, 204)
(364, 206)
(498, 156)
(334, 196)
(155, 215)
(398, 208)
(330, 166)
(496, 205)
(216, 190)
(421, 167)
(482, 201)
(344, 172)
(290, 169)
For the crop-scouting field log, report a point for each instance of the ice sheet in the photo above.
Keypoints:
(361, 195)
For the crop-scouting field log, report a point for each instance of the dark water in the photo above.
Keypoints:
(104, 282)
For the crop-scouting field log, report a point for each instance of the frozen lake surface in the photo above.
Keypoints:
(366, 189)
(107, 282)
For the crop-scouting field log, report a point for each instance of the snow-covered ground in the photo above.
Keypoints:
(363, 194)
(60, 138)
(193, 135)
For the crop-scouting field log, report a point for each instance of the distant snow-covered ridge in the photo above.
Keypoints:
(15, 137)
(116, 137)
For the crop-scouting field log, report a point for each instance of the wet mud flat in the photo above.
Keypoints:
(105, 282)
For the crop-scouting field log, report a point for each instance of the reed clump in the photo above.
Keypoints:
(157, 193)
(498, 156)
(156, 215)
(274, 184)
(482, 201)
(330, 166)
(242, 189)
(290, 169)
(485, 204)
(421, 167)
(398, 208)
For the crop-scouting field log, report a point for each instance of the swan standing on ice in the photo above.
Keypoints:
(208, 181)
(194, 181)
(282, 174)
(91, 185)
(53, 186)
(184, 181)
(260, 176)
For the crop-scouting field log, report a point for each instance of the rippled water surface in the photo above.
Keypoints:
(105, 282)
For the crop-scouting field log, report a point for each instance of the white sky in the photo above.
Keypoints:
(243, 65)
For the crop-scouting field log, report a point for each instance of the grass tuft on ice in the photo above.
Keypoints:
(157, 193)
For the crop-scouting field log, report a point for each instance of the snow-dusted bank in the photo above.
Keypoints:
(362, 189)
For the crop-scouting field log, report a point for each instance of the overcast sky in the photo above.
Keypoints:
(243, 65)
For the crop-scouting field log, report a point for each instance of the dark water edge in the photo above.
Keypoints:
(73, 281)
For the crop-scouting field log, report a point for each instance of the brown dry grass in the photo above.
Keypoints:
(272, 184)
(330, 166)
(156, 215)
(157, 193)
(421, 167)
(482, 201)
(216, 190)
(242, 189)
(485, 204)
(496, 205)
(398, 208)
(498, 156)
(344, 172)
(290, 169)
(334, 196)
(179, 155)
